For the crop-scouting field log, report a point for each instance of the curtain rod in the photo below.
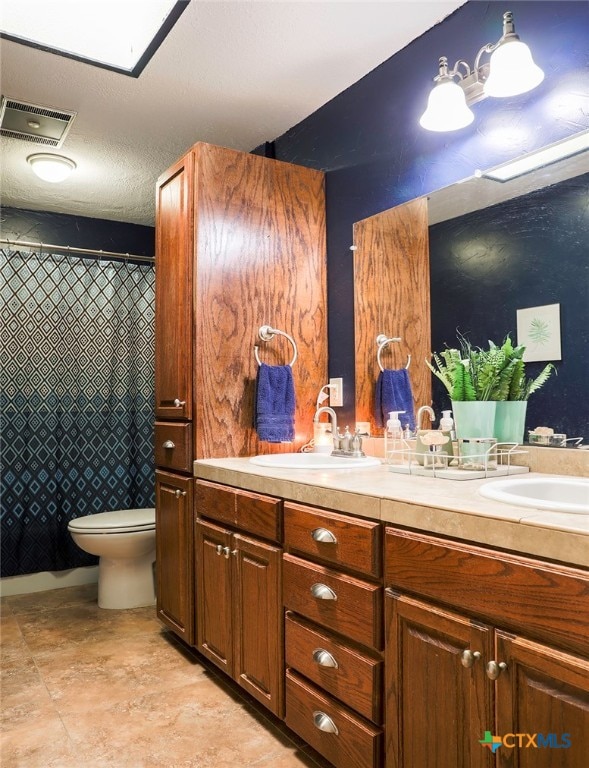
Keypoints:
(71, 249)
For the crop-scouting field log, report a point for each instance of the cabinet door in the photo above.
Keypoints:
(174, 553)
(214, 594)
(259, 625)
(437, 709)
(542, 692)
(173, 292)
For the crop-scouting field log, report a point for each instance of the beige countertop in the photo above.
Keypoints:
(434, 505)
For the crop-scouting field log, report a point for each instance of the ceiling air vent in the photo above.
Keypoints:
(34, 123)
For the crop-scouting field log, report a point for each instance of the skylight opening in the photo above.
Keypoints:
(121, 35)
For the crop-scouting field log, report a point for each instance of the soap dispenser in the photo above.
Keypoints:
(395, 447)
(447, 428)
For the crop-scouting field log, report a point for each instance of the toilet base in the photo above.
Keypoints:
(126, 582)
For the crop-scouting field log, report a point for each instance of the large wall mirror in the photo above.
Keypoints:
(496, 248)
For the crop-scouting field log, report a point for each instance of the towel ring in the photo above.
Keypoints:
(382, 340)
(266, 333)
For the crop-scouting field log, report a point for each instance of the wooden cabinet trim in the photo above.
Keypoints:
(358, 545)
(357, 613)
(541, 600)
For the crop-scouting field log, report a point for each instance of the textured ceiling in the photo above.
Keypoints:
(230, 73)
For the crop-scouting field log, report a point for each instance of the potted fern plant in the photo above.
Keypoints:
(488, 388)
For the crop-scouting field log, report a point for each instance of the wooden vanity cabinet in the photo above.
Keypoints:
(240, 624)
(481, 641)
(174, 553)
(240, 243)
(332, 594)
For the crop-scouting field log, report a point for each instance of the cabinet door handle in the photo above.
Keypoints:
(179, 403)
(219, 549)
(324, 658)
(226, 553)
(322, 534)
(494, 669)
(178, 493)
(468, 657)
(323, 592)
(324, 723)
(168, 444)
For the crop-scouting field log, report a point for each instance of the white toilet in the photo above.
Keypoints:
(124, 540)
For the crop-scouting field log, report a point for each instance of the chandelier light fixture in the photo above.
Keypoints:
(509, 72)
(54, 168)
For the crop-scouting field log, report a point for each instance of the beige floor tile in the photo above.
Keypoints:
(38, 602)
(63, 628)
(11, 638)
(25, 699)
(83, 677)
(44, 744)
(5, 609)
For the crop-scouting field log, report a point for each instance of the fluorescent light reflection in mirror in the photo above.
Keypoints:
(112, 32)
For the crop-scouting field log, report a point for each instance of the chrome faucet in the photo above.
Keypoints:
(424, 409)
(333, 417)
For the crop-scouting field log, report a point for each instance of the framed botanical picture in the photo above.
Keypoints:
(538, 328)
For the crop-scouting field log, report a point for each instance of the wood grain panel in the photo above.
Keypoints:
(543, 692)
(544, 601)
(260, 259)
(355, 612)
(357, 679)
(357, 743)
(173, 291)
(357, 546)
(391, 296)
(175, 553)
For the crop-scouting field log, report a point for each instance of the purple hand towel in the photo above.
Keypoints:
(393, 393)
(275, 404)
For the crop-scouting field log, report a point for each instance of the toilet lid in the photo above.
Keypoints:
(119, 520)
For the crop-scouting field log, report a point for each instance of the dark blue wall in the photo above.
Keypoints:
(488, 264)
(77, 231)
(376, 155)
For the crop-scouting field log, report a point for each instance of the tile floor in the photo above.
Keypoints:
(83, 687)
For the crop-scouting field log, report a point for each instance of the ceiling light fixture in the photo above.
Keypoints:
(52, 168)
(574, 145)
(509, 72)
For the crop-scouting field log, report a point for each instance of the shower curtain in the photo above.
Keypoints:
(76, 400)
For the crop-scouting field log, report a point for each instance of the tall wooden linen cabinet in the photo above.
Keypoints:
(240, 243)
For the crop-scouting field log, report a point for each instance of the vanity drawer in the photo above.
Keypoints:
(545, 600)
(348, 674)
(173, 446)
(215, 501)
(349, 606)
(251, 512)
(342, 737)
(346, 542)
(259, 515)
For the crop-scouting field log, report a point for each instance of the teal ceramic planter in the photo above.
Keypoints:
(510, 421)
(474, 418)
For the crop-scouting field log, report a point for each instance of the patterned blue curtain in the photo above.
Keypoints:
(76, 400)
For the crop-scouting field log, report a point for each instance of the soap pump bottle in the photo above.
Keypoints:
(395, 447)
(447, 428)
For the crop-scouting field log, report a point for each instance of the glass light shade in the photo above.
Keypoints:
(446, 108)
(53, 168)
(512, 70)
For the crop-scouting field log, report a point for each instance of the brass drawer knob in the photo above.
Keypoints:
(468, 657)
(324, 723)
(494, 669)
(323, 535)
(323, 592)
(324, 658)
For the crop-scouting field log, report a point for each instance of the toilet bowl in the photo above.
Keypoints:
(124, 540)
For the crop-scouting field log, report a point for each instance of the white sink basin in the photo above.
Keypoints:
(553, 493)
(312, 461)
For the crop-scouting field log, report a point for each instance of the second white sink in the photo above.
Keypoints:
(312, 461)
(559, 494)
